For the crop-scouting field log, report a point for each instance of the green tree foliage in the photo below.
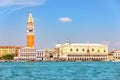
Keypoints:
(8, 57)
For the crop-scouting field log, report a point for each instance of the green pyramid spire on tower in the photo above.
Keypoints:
(30, 19)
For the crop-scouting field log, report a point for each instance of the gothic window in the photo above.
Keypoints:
(71, 50)
(83, 50)
(88, 51)
(77, 50)
(98, 50)
(104, 50)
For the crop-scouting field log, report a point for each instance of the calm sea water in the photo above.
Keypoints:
(59, 71)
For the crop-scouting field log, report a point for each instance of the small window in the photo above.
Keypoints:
(92, 50)
(70, 50)
(30, 30)
(77, 50)
(104, 50)
(88, 51)
(83, 50)
(98, 50)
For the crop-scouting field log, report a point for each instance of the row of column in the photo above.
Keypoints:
(88, 59)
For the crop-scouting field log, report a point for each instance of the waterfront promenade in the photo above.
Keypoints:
(59, 71)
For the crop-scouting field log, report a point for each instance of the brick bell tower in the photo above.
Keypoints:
(30, 31)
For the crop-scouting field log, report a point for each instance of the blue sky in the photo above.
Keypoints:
(80, 21)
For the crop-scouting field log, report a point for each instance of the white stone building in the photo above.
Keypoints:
(82, 51)
(116, 55)
(40, 55)
(30, 54)
(26, 54)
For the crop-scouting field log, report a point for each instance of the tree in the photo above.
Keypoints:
(8, 56)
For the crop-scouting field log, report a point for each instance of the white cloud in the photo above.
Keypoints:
(10, 6)
(21, 2)
(65, 19)
(13, 10)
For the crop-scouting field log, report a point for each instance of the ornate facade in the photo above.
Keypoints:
(40, 55)
(27, 54)
(30, 54)
(51, 55)
(82, 52)
(116, 55)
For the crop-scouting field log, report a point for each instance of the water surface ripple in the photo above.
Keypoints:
(59, 71)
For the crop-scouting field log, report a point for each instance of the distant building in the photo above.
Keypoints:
(40, 55)
(9, 50)
(110, 56)
(26, 54)
(50, 54)
(82, 52)
(116, 55)
(30, 54)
